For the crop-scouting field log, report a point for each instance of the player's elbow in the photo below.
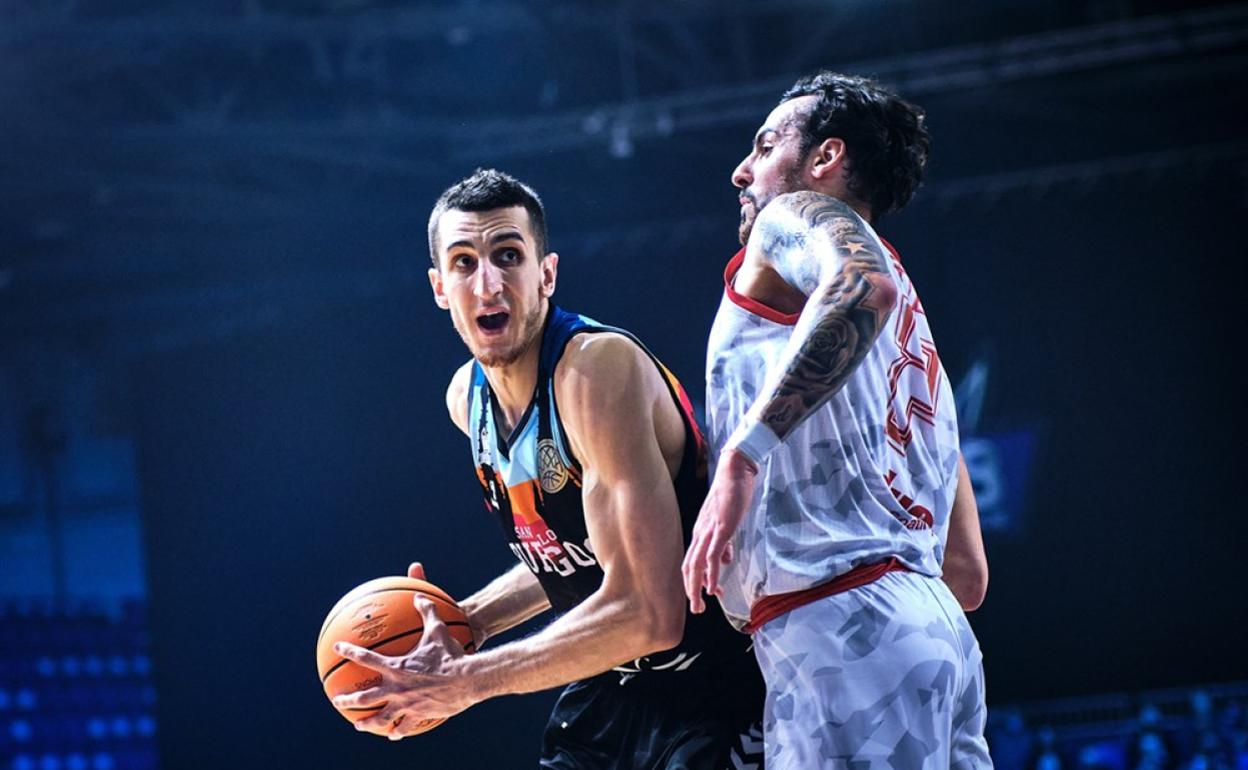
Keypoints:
(969, 583)
(663, 625)
(656, 619)
(974, 594)
(670, 633)
(643, 622)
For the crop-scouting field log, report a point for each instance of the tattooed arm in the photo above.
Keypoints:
(822, 248)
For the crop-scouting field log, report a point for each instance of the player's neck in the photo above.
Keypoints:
(513, 384)
(513, 387)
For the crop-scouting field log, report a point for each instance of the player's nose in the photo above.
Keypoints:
(742, 175)
(488, 281)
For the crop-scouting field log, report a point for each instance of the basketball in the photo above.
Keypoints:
(380, 616)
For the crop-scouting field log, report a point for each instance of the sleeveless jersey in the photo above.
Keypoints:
(532, 484)
(869, 475)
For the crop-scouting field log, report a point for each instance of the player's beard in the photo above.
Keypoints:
(530, 330)
(792, 182)
(748, 214)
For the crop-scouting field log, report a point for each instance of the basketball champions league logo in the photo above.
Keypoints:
(551, 472)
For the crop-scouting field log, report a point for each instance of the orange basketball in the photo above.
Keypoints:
(380, 616)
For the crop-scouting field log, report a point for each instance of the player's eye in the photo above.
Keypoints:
(508, 256)
(461, 261)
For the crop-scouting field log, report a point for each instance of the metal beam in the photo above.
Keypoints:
(252, 22)
(961, 68)
(944, 70)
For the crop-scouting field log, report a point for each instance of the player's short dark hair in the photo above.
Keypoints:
(487, 189)
(886, 139)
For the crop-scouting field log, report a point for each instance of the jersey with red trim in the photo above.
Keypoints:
(869, 475)
(531, 482)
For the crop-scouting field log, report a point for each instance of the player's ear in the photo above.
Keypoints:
(827, 157)
(550, 273)
(439, 294)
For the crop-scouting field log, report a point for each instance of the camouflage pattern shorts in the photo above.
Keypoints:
(887, 676)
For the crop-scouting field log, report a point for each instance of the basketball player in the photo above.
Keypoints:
(838, 478)
(589, 458)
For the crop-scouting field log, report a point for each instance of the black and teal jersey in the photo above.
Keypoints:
(531, 481)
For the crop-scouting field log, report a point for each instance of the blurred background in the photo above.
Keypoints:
(221, 372)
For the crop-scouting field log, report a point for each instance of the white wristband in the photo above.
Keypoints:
(754, 440)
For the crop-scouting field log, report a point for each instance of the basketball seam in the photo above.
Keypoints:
(329, 620)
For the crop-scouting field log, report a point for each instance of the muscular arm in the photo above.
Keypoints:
(821, 247)
(966, 564)
(608, 394)
(613, 405)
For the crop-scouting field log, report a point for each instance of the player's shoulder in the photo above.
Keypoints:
(608, 390)
(600, 345)
(457, 395)
(798, 198)
(601, 364)
(801, 209)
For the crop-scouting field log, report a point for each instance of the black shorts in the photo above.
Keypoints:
(659, 720)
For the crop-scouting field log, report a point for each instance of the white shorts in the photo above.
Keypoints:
(887, 676)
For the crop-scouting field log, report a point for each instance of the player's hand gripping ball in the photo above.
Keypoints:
(380, 616)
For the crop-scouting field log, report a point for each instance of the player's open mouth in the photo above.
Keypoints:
(493, 322)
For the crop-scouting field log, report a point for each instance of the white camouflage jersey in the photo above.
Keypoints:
(869, 475)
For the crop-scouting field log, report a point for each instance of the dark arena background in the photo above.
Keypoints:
(222, 373)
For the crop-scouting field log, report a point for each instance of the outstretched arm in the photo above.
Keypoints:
(612, 401)
(822, 248)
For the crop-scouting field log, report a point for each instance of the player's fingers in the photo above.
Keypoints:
(378, 724)
(369, 698)
(714, 556)
(725, 558)
(692, 570)
(719, 553)
(400, 727)
(366, 658)
(686, 564)
(429, 613)
(435, 629)
(691, 589)
(375, 730)
(712, 578)
(696, 603)
(686, 570)
(416, 570)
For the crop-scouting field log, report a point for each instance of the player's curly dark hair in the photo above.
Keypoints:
(487, 189)
(886, 139)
